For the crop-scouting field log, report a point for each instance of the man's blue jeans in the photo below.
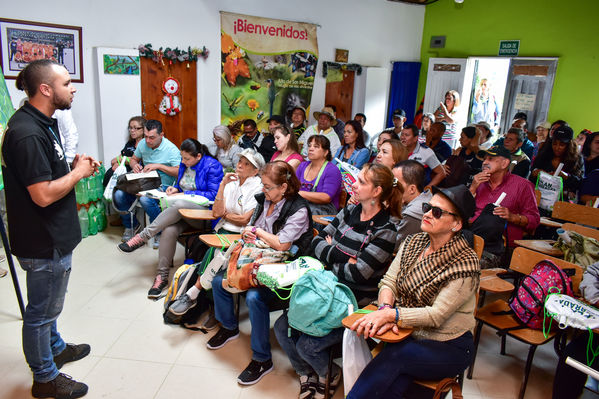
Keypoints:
(390, 374)
(47, 281)
(307, 354)
(123, 201)
(257, 300)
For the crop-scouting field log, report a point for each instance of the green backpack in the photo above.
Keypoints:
(319, 303)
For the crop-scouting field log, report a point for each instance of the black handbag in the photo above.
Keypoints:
(132, 183)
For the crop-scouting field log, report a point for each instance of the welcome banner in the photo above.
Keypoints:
(268, 68)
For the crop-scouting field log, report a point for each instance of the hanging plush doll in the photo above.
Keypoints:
(170, 104)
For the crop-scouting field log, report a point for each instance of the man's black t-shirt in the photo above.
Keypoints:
(32, 153)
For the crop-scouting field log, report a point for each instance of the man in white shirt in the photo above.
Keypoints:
(326, 119)
(423, 154)
(68, 133)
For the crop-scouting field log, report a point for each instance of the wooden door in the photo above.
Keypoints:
(341, 94)
(183, 125)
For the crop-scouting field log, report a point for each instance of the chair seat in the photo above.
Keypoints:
(430, 384)
(502, 321)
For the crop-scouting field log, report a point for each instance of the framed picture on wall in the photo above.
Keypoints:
(24, 41)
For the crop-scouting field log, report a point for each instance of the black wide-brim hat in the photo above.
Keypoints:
(461, 198)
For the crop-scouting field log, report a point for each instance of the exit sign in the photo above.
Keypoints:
(509, 47)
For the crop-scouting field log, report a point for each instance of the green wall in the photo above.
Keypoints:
(546, 28)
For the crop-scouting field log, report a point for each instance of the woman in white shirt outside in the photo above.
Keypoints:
(227, 152)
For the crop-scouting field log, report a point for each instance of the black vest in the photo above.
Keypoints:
(290, 206)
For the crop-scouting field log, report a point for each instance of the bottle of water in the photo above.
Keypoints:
(92, 214)
(101, 209)
(83, 220)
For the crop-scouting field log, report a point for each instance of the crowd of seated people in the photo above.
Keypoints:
(412, 197)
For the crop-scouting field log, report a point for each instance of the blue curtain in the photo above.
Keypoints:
(404, 88)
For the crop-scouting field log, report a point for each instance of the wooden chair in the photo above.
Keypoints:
(579, 214)
(538, 196)
(523, 261)
(585, 231)
(435, 385)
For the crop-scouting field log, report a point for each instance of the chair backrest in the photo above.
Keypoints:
(585, 231)
(342, 199)
(538, 196)
(576, 213)
(524, 260)
(479, 245)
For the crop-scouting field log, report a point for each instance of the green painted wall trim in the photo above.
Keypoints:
(545, 28)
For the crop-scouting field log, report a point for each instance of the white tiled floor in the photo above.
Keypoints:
(135, 355)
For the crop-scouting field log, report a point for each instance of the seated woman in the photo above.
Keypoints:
(354, 150)
(561, 149)
(391, 153)
(227, 151)
(199, 174)
(383, 136)
(430, 287)
(136, 134)
(234, 205)
(281, 219)
(320, 180)
(357, 247)
(467, 163)
(287, 147)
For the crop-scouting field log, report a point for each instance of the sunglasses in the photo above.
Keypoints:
(437, 212)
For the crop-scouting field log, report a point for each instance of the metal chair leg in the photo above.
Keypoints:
(327, 393)
(503, 338)
(531, 355)
(477, 331)
(11, 266)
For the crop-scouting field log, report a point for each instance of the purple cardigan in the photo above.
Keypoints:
(209, 173)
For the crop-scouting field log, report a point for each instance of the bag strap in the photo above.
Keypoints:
(319, 175)
(448, 384)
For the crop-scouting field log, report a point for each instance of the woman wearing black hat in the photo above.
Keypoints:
(562, 150)
(430, 287)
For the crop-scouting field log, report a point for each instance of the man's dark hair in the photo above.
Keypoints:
(362, 115)
(520, 115)
(33, 75)
(250, 122)
(518, 132)
(413, 173)
(152, 124)
(413, 128)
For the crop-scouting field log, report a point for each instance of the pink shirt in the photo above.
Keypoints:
(520, 199)
(295, 155)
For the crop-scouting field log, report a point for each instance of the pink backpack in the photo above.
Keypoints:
(527, 301)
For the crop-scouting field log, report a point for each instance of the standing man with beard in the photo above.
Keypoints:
(42, 221)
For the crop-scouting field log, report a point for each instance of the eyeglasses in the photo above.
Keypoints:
(134, 128)
(267, 189)
(437, 212)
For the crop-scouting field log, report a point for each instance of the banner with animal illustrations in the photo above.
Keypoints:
(268, 68)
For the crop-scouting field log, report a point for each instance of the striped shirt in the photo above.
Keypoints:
(371, 242)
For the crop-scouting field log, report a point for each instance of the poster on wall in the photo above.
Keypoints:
(268, 68)
(24, 41)
(121, 64)
(6, 111)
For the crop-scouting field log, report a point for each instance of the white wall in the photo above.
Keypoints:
(374, 32)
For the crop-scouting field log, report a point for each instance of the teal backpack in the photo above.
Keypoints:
(319, 303)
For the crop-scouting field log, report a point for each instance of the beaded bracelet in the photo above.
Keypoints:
(396, 315)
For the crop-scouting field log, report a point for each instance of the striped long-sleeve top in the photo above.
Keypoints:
(370, 242)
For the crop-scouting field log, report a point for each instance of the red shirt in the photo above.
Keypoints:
(520, 199)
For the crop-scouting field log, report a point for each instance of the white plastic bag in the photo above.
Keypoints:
(570, 312)
(120, 170)
(219, 262)
(356, 355)
(551, 188)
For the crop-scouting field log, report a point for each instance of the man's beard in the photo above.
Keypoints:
(60, 103)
